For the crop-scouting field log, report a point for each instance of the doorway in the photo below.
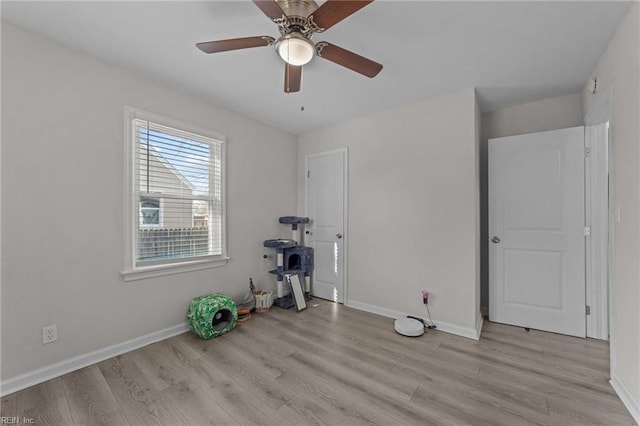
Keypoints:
(537, 231)
(326, 207)
(597, 218)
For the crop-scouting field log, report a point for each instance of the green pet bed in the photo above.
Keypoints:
(212, 315)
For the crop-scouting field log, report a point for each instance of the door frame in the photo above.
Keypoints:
(603, 110)
(345, 209)
(596, 241)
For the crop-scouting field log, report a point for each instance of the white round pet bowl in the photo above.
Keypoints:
(409, 327)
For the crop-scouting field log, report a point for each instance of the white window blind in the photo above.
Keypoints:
(177, 194)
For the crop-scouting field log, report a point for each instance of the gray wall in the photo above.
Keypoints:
(413, 206)
(620, 66)
(548, 114)
(62, 198)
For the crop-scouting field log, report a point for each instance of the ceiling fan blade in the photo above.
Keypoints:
(348, 59)
(292, 78)
(333, 11)
(234, 44)
(270, 8)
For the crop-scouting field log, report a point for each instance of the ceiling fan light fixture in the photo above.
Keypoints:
(295, 49)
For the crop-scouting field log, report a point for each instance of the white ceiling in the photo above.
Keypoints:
(512, 52)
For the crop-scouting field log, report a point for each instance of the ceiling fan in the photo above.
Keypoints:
(297, 21)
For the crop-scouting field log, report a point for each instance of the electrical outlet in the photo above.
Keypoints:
(49, 334)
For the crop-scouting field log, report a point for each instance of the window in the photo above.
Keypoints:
(175, 197)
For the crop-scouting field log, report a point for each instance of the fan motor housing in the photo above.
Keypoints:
(300, 8)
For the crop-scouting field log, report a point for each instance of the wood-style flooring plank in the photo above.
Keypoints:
(271, 359)
(9, 406)
(578, 376)
(336, 398)
(501, 396)
(52, 412)
(554, 389)
(194, 407)
(466, 406)
(160, 364)
(371, 391)
(37, 396)
(90, 400)
(245, 371)
(356, 372)
(246, 405)
(310, 410)
(581, 413)
(424, 356)
(141, 404)
(588, 347)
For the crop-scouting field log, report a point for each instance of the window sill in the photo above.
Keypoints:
(176, 268)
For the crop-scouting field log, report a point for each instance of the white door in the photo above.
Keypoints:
(536, 231)
(326, 233)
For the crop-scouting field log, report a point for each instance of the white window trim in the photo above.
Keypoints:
(131, 272)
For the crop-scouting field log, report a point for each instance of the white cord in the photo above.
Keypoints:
(432, 324)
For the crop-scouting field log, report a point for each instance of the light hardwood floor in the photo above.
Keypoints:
(331, 365)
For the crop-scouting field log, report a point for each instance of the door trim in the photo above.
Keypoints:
(596, 243)
(345, 209)
(601, 111)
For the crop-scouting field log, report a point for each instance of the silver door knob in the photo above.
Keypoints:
(495, 240)
(338, 235)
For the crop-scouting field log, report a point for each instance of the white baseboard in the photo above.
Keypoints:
(633, 405)
(40, 375)
(442, 326)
